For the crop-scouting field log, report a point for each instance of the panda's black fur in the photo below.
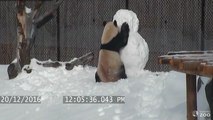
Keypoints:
(110, 67)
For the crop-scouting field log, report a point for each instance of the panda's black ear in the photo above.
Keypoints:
(104, 23)
(115, 23)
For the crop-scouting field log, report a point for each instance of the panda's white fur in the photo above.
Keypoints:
(110, 67)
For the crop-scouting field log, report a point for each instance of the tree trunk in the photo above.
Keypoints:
(22, 49)
(28, 21)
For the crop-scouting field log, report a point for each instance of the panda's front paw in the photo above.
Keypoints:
(125, 29)
(125, 33)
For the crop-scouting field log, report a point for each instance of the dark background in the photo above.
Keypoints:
(166, 25)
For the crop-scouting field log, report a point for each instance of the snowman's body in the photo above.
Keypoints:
(136, 53)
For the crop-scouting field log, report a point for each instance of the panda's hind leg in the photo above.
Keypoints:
(97, 78)
(123, 72)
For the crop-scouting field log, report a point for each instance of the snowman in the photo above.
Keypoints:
(135, 54)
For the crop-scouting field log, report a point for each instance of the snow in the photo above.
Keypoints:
(135, 54)
(124, 15)
(28, 10)
(148, 96)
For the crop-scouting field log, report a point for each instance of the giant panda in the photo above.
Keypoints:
(110, 67)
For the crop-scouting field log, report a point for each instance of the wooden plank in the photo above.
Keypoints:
(188, 52)
(191, 96)
(196, 64)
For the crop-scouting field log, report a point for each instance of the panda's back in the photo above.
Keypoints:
(111, 58)
(110, 65)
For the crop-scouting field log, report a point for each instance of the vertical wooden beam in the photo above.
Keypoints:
(209, 96)
(191, 96)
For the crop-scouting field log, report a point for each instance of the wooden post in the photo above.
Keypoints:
(192, 63)
(191, 96)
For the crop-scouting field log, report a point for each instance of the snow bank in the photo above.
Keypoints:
(144, 95)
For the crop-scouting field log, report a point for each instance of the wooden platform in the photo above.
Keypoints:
(192, 63)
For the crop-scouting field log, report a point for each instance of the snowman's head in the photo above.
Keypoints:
(128, 16)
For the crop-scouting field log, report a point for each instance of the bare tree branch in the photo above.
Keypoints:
(37, 9)
(40, 21)
(83, 60)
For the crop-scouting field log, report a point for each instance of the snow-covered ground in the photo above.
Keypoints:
(148, 96)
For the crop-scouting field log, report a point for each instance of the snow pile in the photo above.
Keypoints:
(144, 95)
(135, 54)
(28, 10)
